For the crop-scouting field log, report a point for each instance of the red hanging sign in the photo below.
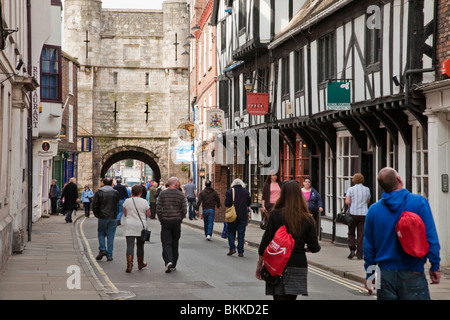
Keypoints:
(445, 67)
(257, 103)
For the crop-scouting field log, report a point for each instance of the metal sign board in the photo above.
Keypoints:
(338, 95)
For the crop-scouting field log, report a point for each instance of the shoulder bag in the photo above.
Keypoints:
(275, 261)
(412, 234)
(230, 213)
(145, 233)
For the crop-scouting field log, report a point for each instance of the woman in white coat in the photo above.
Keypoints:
(136, 210)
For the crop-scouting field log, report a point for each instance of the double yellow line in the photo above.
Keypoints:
(337, 279)
(112, 287)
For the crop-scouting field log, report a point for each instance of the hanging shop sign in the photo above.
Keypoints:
(257, 103)
(187, 131)
(338, 95)
(184, 152)
(215, 120)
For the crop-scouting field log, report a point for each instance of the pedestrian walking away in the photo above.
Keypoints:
(190, 191)
(291, 211)
(171, 210)
(104, 207)
(86, 197)
(136, 211)
(53, 194)
(208, 199)
(70, 196)
(152, 197)
(357, 198)
(123, 195)
(402, 275)
(241, 203)
(270, 195)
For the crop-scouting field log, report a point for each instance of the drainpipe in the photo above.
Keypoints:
(29, 130)
(407, 74)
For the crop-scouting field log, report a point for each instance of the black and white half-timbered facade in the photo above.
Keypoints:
(366, 56)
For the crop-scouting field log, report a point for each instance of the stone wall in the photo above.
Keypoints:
(132, 62)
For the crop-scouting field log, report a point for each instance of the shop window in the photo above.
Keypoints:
(302, 159)
(347, 164)
(50, 73)
(288, 164)
(420, 161)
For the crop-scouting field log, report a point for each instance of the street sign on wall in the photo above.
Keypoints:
(338, 95)
(86, 144)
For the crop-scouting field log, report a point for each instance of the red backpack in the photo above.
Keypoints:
(277, 253)
(412, 235)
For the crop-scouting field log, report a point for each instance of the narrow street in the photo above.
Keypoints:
(204, 271)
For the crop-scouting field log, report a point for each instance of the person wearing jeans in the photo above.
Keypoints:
(241, 203)
(171, 210)
(402, 275)
(208, 199)
(104, 207)
(190, 191)
(106, 230)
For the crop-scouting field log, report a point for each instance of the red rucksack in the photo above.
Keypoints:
(277, 253)
(412, 235)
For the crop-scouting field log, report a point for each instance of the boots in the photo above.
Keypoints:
(141, 263)
(130, 258)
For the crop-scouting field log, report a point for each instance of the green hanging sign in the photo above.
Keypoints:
(338, 95)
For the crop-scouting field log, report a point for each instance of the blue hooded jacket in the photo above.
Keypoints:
(381, 246)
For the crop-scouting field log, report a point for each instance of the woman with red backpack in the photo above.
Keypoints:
(290, 211)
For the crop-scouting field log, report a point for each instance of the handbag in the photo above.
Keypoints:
(344, 217)
(230, 213)
(145, 233)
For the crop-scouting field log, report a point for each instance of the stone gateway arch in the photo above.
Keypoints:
(131, 152)
(132, 84)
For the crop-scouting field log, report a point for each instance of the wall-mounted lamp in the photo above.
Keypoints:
(195, 28)
(248, 85)
(190, 36)
(396, 81)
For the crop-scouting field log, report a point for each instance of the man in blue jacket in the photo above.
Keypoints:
(402, 275)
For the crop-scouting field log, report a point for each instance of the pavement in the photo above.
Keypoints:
(54, 262)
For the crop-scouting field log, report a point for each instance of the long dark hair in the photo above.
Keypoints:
(293, 206)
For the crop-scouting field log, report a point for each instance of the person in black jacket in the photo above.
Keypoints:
(208, 199)
(123, 195)
(242, 203)
(104, 207)
(70, 195)
(292, 211)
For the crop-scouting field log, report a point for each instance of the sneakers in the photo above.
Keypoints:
(170, 267)
(208, 237)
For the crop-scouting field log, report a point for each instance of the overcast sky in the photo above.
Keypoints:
(132, 4)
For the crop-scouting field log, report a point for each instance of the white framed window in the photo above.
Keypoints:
(391, 155)
(70, 131)
(210, 58)
(329, 176)
(347, 164)
(71, 77)
(420, 161)
(205, 51)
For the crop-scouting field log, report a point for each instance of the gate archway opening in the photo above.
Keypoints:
(131, 152)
